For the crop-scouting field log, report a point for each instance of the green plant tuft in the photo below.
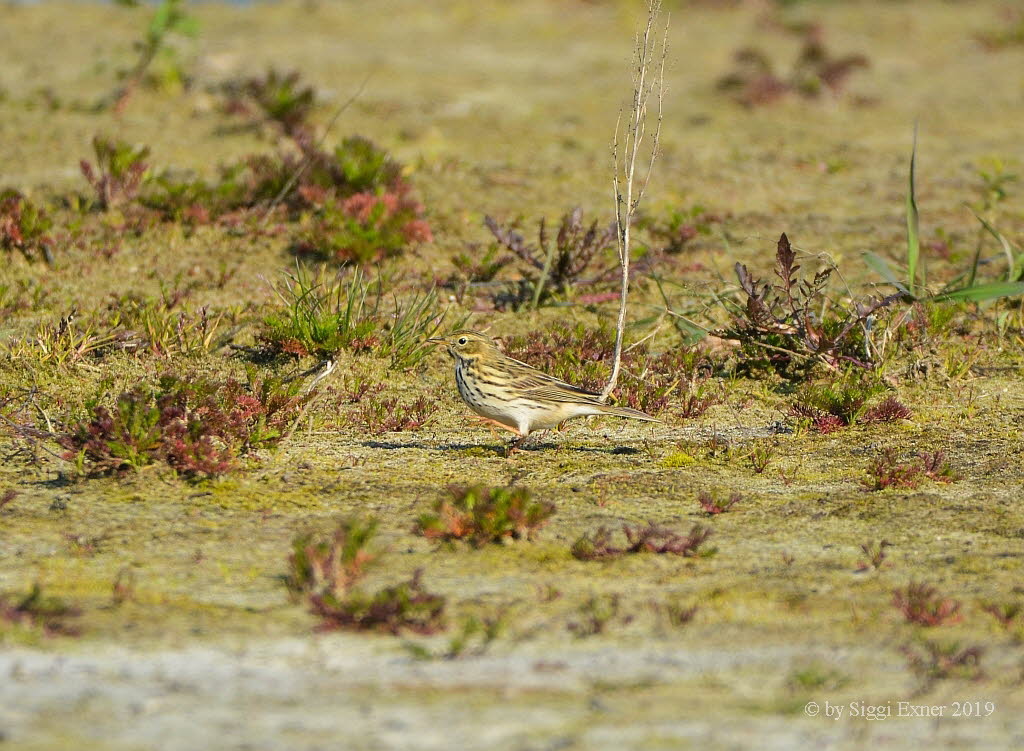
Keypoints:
(483, 515)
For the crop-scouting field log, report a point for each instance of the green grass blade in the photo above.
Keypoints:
(972, 273)
(537, 290)
(882, 266)
(981, 292)
(1011, 261)
(690, 331)
(913, 241)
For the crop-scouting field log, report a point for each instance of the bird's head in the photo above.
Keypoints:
(465, 345)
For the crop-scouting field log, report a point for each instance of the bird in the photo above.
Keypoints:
(510, 394)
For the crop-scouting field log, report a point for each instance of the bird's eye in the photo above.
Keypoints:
(462, 340)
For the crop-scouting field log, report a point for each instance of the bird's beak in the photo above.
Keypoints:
(442, 341)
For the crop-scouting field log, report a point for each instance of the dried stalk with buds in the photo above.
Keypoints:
(626, 191)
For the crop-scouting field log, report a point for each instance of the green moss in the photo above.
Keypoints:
(678, 459)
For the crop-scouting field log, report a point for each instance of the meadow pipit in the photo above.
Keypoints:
(516, 396)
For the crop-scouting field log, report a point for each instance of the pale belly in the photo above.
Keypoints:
(522, 415)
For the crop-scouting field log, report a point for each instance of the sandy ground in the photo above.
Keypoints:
(348, 692)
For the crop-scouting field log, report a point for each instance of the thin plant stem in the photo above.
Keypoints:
(624, 172)
(544, 272)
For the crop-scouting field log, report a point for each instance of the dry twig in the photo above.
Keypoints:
(627, 194)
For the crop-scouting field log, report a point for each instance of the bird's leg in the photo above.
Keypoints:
(513, 447)
(491, 424)
(517, 444)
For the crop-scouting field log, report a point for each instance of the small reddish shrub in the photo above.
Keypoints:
(935, 467)
(711, 506)
(37, 611)
(875, 553)
(404, 607)
(24, 226)
(334, 564)
(1005, 613)
(326, 571)
(935, 662)
(482, 515)
(923, 605)
(887, 472)
(378, 414)
(757, 81)
(889, 410)
(576, 249)
(652, 538)
(837, 404)
(197, 427)
(364, 228)
(118, 173)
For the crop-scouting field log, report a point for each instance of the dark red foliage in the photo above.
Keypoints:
(576, 248)
(826, 424)
(838, 403)
(1005, 613)
(378, 414)
(781, 326)
(875, 553)
(403, 607)
(354, 387)
(197, 427)
(658, 539)
(887, 472)
(8, 496)
(676, 614)
(364, 228)
(821, 421)
(652, 538)
(939, 662)
(23, 225)
(696, 402)
(36, 610)
(923, 605)
(353, 202)
(935, 467)
(756, 80)
(334, 564)
(889, 410)
(711, 506)
(483, 515)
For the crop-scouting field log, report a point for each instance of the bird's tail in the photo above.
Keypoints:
(634, 414)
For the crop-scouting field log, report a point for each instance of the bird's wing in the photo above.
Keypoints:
(537, 384)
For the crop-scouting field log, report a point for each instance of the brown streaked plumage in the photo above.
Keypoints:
(517, 396)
